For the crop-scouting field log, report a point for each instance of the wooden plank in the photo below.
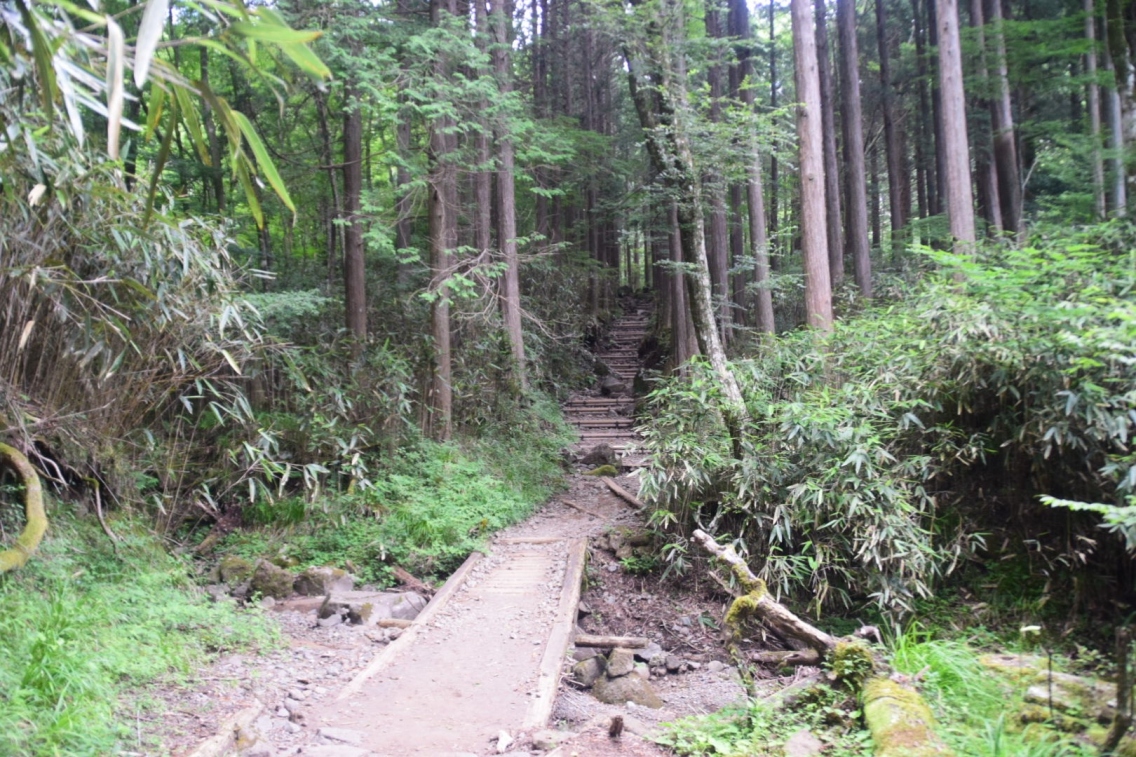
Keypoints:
(528, 539)
(555, 650)
(610, 642)
(396, 647)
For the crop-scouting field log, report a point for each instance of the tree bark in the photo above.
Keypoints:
(810, 140)
(683, 344)
(718, 239)
(983, 159)
(1005, 148)
(442, 202)
(657, 80)
(1116, 119)
(892, 146)
(856, 218)
(940, 150)
(1094, 111)
(960, 198)
(774, 178)
(506, 198)
(354, 270)
(831, 169)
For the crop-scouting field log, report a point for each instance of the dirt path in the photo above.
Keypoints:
(489, 657)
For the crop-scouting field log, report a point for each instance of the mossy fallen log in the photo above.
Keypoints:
(900, 721)
(26, 543)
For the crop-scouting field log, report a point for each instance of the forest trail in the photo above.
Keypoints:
(486, 656)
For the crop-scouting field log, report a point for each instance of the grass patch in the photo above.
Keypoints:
(429, 507)
(975, 707)
(83, 626)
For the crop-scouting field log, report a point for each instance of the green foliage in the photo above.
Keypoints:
(426, 509)
(757, 728)
(85, 626)
(1023, 371)
(973, 706)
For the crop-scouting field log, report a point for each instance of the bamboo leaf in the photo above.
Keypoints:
(250, 193)
(163, 156)
(264, 161)
(116, 87)
(192, 124)
(41, 51)
(149, 34)
(231, 361)
(269, 32)
(306, 60)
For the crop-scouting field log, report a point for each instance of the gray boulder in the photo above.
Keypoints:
(620, 662)
(611, 386)
(369, 607)
(626, 689)
(587, 672)
(601, 454)
(316, 582)
(271, 581)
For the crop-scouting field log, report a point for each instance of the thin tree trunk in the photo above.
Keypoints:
(667, 105)
(333, 229)
(1005, 148)
(939, 204)
(442, 203)
(506, 198)
(960, 198)
(354, 271)
(684, 346)
(892, 146)
(857, 212)
(1094, 111)
(1115, 123)
(924, 169)
(718, 241)
(831, 169)
(774, 178)
(984, 153)
(755, 199)
(810, 140)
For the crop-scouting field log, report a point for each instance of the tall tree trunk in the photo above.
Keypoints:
(354, 271)
(483, 176)
(442, 203)
(334, 233)
(506, 197)
(984, 151)
(938, 206)
(960, 198)
(810, 140)
(774, 178)
(1005, 148)
(755, 199)
(657, 80)
(925, 170)
(1094, 110)
(831, 169)
(718, 241)
(684, 345)
(1116, 114)
(892, 145)
(856, 217)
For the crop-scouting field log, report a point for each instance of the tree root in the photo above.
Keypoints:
(26, 544)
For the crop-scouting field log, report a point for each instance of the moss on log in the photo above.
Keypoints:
(21, 551)
(900, 721)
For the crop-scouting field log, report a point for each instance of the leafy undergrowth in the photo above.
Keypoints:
(83, 626)
(975, 710)
(429, 507)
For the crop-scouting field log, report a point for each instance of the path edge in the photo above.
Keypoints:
(551, 665)
(396, 647)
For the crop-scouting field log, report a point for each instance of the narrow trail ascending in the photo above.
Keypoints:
(486, 656)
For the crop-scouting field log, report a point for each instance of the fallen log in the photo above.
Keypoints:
(756, 602)
(900, 721)
(787, 657)
(623, 494)
(393, 623)
(623, 642)
(406, 579)
(36, 526)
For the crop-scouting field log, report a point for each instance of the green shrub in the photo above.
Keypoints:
(864, 449)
